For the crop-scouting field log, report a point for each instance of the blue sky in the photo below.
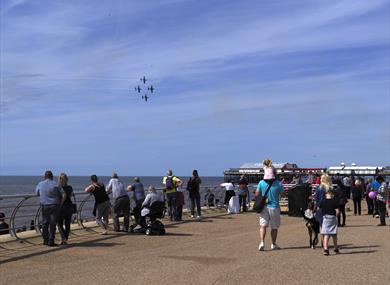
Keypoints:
(236, 81)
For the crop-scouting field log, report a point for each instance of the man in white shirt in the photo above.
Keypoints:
(121, 202)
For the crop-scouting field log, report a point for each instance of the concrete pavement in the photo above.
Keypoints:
(219, 249)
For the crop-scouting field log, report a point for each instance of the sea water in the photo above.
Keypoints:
(25, 185)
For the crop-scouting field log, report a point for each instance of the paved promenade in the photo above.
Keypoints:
(220, 249)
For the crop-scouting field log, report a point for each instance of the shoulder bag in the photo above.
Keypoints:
(260, 200)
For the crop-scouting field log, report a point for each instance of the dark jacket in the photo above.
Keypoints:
(193, 185)
(356, 192)
(341, 195)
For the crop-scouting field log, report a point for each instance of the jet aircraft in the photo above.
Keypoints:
(143, 79)
(145, 97)
(138, 88)
(151, 88)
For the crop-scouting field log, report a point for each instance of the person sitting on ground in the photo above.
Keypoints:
(102, 202)
(4, 227)
(329, 207)
(209, 199)
(151, 197)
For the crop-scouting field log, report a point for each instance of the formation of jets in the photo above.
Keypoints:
(150, 88)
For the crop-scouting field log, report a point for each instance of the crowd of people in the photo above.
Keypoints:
(330, 199)
(57, 205)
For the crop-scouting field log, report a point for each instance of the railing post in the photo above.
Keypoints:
(13, 215)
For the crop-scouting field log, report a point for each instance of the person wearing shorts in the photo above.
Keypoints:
(270, 216)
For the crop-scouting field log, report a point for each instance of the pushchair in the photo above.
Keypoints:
(153, 225)
(149, 224)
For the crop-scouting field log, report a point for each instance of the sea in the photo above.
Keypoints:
(28, 213)
(14, 185)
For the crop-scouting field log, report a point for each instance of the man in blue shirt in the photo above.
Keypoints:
(271, 212)
(51, 198)
(139, 196)
(375, 185)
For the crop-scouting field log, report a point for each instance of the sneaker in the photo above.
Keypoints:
(381, 225)
(326, 252)
(192, 216)
(198, 217)
(261, 246)
(274, 247)
(104, 233)
(336, 251)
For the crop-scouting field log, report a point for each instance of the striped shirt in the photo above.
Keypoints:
(383, 193)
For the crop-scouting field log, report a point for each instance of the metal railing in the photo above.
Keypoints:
(23, 211)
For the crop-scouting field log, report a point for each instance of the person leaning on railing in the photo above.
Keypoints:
(4, 227)
(139, 196)
(51, 198)
(66, 213)
(102, 202)
(121, 203)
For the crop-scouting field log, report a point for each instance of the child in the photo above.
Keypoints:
(330, 208)
(269, 170)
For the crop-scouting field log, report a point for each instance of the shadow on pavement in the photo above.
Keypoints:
(177, 234)
(349, 246)
(358, 226)
(297, 247)
(45, 250)
(202, 259)
(359, 251)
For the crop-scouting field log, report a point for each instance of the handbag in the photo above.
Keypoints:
(260, 200)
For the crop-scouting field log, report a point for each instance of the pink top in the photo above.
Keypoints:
(269, 172)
